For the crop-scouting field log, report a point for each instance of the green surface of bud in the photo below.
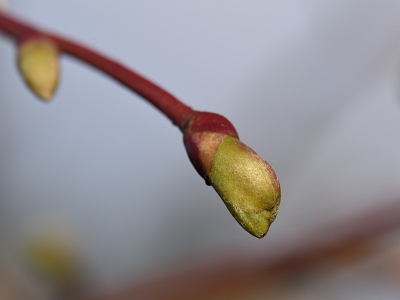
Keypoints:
(246, 183)
(38, 65)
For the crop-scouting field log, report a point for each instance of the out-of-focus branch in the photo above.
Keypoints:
(224, 278)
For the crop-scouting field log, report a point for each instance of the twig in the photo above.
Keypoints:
(245, 182)
(174, 109)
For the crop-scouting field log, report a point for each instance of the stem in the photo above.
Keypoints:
(174, 109)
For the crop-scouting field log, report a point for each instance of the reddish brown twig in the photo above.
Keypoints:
(174, 109)
(232, 168)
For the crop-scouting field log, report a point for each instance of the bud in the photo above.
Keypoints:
(246, 183)
(38, 65)
(52, 256)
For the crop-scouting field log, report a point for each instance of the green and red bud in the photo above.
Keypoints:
(38, 64)
(246, 182)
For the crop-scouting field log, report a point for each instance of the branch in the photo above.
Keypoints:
(229, 277)
(174, 109)
(246, 183)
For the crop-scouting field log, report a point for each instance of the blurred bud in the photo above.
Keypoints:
(53, 258)
(51, 252)
(246, 183)
(38, 65)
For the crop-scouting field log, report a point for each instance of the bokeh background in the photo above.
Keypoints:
(312, 86)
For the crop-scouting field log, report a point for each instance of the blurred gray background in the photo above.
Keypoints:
(312, 86)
